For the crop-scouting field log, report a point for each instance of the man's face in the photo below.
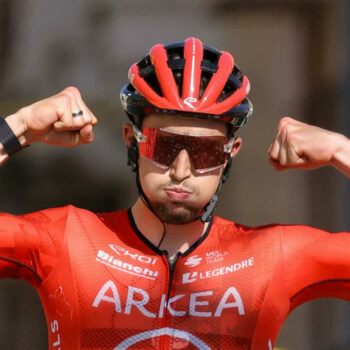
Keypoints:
(178, 194)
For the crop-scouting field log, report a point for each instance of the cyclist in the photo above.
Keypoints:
(167, 273)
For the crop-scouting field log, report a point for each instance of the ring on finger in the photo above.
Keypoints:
(77, 113)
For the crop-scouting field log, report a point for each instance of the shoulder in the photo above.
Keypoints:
(51, 219)
(115, 220)
(70, 214)
(285, 232)
(237, 229)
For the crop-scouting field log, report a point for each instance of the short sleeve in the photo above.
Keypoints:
(30, 244)
(316, 263)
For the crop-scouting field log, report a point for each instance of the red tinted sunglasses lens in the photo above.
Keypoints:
(162, 147)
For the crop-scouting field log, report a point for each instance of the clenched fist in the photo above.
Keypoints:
(301, 146)
(51, 120)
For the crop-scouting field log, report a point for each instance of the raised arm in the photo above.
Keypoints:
(301, 146)
(51, 121)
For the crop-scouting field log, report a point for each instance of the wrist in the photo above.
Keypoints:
(341, 155)
(18, 125)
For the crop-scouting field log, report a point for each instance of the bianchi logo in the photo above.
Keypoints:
(128, 267)
(193, 261)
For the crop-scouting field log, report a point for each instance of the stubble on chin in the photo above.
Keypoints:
(175, 214)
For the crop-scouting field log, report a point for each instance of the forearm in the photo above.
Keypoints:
(341, 158)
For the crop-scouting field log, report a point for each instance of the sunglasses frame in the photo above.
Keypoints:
(140, 137)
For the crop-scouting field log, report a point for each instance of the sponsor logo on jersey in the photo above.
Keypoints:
(190, 277)
(132, 269)
(215, 256)
(179, 339)
(193, 261)
(199, 304)
(135, 256)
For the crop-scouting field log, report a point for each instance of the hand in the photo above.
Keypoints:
(302, 146)
(51, 121)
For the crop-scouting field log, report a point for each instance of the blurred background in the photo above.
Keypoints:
(296, 54)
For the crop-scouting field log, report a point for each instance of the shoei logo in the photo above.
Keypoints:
(179, 339)
(193, 261)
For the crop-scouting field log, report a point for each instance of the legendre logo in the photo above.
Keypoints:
(190, 277)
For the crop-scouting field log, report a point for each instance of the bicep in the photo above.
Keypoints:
(316, 264)
(18, 241)
(30, 244)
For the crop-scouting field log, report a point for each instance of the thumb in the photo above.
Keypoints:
(68, 138)
(86, 135)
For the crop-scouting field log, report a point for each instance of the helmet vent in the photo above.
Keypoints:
(205, 78)
(209, 66)
(211, 55)
(237, 73)
(233, 83)
(147, 72)
(176, 63)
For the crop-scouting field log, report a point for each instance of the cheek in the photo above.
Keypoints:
(153, 179)
(207, 186)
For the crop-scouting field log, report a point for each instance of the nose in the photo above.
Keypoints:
(181, 167)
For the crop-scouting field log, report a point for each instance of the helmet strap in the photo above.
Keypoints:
(133, 156)
(133, 162)
(210, 207)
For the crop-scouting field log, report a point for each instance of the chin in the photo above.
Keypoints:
(176, 214)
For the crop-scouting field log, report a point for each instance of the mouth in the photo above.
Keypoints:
(177, 193)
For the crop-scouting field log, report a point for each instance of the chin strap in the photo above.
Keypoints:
(133, 162)
(210, 207)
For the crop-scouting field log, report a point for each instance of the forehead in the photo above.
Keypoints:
(183, 123)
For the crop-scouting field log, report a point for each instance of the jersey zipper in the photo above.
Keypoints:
(171, 265)
(171, 272)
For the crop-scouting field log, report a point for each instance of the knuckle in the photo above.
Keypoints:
(64, 100)
(284, 123)
(72, 90)
(290, 138)
(87, 118)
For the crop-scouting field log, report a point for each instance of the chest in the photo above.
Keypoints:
(210, 282)
(123, 291)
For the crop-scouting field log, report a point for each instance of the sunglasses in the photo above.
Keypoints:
(161, 147)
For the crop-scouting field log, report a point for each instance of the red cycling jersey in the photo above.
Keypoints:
(103, 285)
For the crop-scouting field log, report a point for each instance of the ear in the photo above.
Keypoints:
(128, 134)
(237, 144)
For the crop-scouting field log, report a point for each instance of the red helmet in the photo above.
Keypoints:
(187, 78)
